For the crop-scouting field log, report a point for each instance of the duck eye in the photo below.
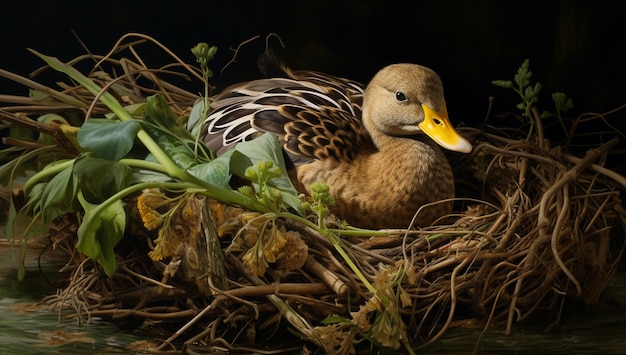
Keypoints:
(400, 96)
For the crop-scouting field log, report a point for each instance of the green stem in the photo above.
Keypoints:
(111, 102)
(143, 164)
(333, 238)
(49, 170)
(168, 166)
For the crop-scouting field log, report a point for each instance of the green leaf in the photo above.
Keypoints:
(158, 112)
(11, 219)
(109, 139)
(47, 119)
(58, 195)
(503, 83)
(216, 172)
(144, 175)
(537, 89)
(562, 102)
(196, 118)
(101, 229)
(34, 199)
(96, 186)
(21, 133)
(174, 148)
(523, 75)
(266, 148)
(263, 148)
(135, 110)
(163, 127)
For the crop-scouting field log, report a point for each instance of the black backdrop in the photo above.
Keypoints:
(577, 47)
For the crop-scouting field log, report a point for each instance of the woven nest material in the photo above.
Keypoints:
(535, 226)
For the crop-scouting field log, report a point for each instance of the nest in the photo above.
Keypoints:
(536, 225)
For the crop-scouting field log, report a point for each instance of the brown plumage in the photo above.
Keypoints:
(374, 148)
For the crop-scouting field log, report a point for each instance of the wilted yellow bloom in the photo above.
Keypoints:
(380, 315)
(165, 244)
(274, 240)
(338, 337)
(294, 253)
(147, 204)
(361, 318)
(192, 216)
(388, 328)
(254, 261)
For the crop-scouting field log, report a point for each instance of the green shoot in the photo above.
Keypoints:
(204, 54)
(562, 103)
(528, 93)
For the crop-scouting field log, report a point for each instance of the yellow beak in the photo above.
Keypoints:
(438, 127)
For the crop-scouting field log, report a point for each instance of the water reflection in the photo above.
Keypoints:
(28, 328)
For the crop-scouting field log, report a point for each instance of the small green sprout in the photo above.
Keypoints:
(322, 198)
(204, 54)
(562, 103)
(522, 86)
(260, 174)
(529, 93)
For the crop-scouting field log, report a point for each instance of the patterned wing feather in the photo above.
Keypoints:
(317, 116)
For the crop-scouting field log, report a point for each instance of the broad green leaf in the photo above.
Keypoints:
(263, 148)
(196, 117)
(176, 150)
(97, 186)
(216, 171)
(266, 148)
(109, 139)
(34, 199)
(136, 110)
(142, 175)
(21, 133)
(58, 196)
(164, 129)
(47, 119)
(101, 229)
(158, 112)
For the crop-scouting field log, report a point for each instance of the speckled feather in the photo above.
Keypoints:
(315, 115)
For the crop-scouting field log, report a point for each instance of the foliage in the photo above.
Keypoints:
(175, 162)
(529, 93)
(143, 147)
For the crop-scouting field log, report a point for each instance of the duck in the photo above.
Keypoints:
(377, 147)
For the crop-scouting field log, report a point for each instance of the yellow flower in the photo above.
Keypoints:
(147, 204)
(273, 241)
(254, 261)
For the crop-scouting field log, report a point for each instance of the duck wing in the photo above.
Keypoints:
(316, 116)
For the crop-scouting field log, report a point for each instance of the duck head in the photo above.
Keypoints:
(407, 99)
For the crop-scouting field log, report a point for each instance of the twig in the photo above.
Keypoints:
(570, 175)
(236, 50)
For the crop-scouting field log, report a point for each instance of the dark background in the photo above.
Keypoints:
(576, 47)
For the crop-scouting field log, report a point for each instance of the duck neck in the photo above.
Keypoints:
(385, 142)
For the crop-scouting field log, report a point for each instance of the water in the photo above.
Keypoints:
(28, 329)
